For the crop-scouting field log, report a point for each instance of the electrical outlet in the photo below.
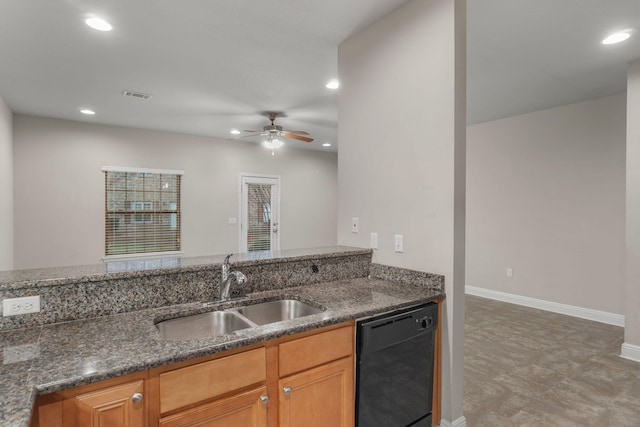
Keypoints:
(22, 305)
(399, 243)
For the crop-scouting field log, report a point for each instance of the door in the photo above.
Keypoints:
(319, 397)
(117, 406)
(260, 216)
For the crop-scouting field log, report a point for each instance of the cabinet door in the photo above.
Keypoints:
(247, 409)
(114, 406)
(319, 397)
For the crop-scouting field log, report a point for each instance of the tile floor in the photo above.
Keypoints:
(527, 367)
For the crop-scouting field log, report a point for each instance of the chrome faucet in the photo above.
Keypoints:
(225, 279)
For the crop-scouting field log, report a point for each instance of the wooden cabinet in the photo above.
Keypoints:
(300, 380)
(319, 397)
(229, 391)
(316, 385)
(248, 409)
(197, 383)
(116, 406)
(119, 402)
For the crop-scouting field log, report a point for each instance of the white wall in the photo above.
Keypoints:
(546, 197)
(59, 188)
(6, 187)
(401, 154)
(632, 285)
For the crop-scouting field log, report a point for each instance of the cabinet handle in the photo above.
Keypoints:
(136, 398)
(264, 399)
(287, 391)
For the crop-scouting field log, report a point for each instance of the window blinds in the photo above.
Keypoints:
(142, 212)
(260, 211)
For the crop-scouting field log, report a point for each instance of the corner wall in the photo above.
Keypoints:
(631, 346)
(59, 188)
(546, 198)
(6, 187)
(401, 154)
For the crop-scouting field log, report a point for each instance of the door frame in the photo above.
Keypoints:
(258, 178)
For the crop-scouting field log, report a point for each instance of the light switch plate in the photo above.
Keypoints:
(374, 240)
(354, 224)
(399, 243)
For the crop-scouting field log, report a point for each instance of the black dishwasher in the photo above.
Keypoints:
(394, 368)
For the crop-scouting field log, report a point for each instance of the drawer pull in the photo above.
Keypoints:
(136, 398)
(264, 399)
(287, 391)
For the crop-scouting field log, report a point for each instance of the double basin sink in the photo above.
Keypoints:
(234, 319)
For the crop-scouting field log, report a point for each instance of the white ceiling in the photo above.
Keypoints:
(527, 55)
(216, 65)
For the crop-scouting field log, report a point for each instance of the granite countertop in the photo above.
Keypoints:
(115, 269)
(55, 357)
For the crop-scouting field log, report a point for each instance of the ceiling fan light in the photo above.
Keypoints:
(273, 144)
(234, 132)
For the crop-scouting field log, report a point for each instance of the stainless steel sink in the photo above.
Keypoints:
(202, 325)
(276, 311)
(234, 319)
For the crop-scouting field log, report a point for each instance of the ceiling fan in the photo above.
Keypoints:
(273, 131)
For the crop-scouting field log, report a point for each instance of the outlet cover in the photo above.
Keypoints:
(22, 305)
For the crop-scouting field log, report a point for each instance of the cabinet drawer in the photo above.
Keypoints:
(193, 384)
(315, 350)
(244, 409)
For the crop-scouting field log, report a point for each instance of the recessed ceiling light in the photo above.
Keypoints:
(333, 84)
(618, 37)
(98, 23)
(234, 132)
(326, 144)
(87, 111)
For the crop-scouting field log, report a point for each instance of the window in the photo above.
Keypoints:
(142, 211)
(139, 218)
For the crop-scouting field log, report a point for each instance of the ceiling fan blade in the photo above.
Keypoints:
(253, 131)
(249, 136)
(298, 137)
(299, 132)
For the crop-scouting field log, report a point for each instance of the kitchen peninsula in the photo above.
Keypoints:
(97, 323)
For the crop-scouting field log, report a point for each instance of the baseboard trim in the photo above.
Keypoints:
(630, 351)
(460, 422)
(569, 310)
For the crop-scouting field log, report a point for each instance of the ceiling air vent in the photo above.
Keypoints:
(136, 94)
